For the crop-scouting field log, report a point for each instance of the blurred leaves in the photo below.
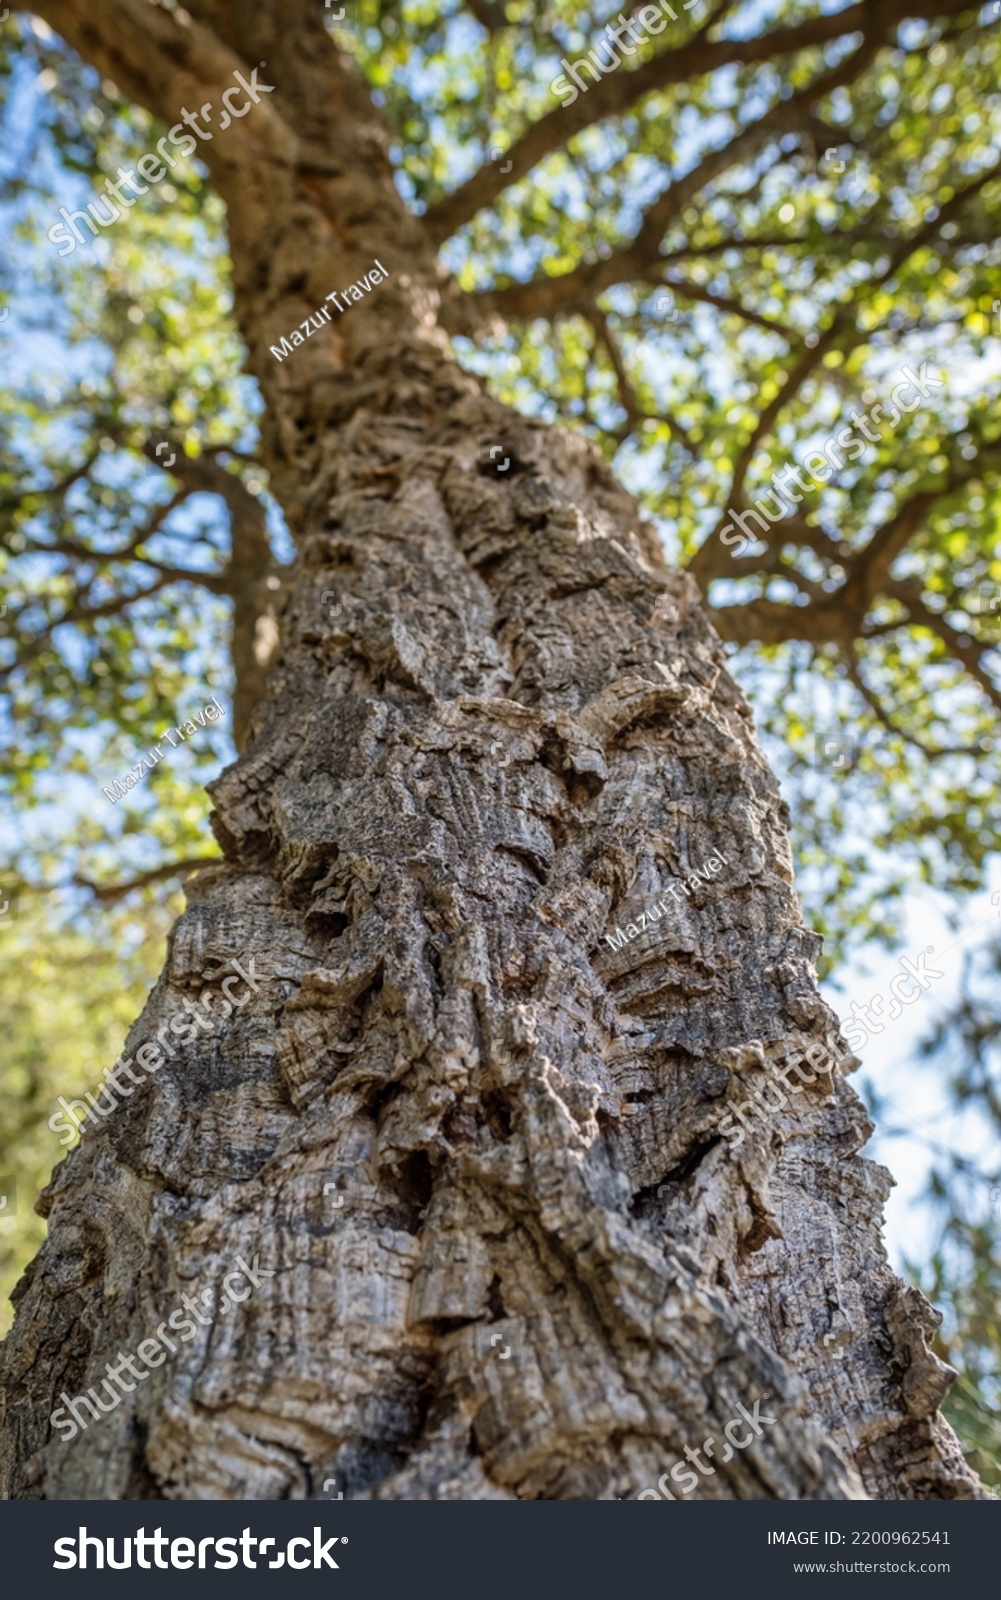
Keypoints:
(68, 999)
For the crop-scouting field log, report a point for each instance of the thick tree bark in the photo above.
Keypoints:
(453, 788)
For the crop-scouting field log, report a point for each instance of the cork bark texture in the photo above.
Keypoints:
(538, 1269)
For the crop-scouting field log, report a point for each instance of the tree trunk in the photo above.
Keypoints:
(544, 1271)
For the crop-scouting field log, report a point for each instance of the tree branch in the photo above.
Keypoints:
(616, 92)
(854, 670)
(547, 293)
(693, 291)
(108, 893)
(488, 13)
(965, 649)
